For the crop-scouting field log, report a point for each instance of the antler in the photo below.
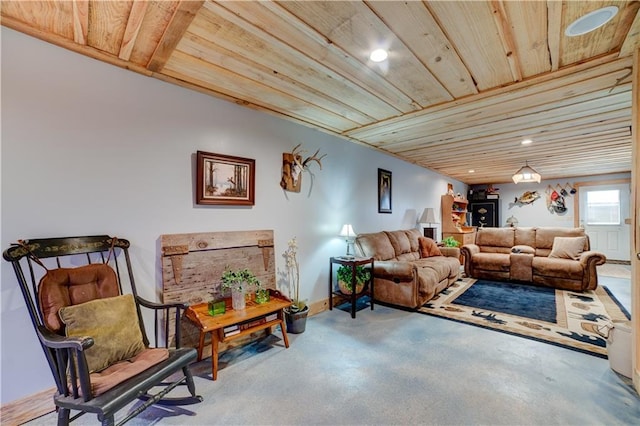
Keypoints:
(293, 151)
(314, 158)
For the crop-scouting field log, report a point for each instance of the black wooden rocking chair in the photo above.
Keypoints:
(92, 333)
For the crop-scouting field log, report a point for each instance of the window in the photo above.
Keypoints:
(603, 207)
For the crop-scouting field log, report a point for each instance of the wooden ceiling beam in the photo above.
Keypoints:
(138, 10)
(180, 21)
(80, 21)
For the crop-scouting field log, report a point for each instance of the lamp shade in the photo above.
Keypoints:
(512, 221)
(428, 216)
(347, 231)
(526, 174)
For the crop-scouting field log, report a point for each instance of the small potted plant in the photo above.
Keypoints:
(238, 281)
(345, 284)
(262, 294)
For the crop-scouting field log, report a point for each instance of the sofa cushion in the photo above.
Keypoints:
(492, 261)
(413, 235)
(376, 245)
(428, 247)
(545, 237)
(557, 268)
(525, 237)
(497, 240)
(444, 267)
(567, 247)
(400, 242)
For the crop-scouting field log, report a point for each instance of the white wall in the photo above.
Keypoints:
(537, 214)
(90, 148)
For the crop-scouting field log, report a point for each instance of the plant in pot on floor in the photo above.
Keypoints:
(296, 314)
(345, 279)
(238, 281)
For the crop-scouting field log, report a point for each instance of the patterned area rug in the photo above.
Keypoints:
(578, 321)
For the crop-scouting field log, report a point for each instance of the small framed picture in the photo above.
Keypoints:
(225, 180)
(384, 191)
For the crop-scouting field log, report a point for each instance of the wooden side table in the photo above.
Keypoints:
(252, 316)
(352, 263)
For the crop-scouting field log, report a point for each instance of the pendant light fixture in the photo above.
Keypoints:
(526, 174)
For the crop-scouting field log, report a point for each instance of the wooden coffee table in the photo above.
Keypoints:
(253, 318)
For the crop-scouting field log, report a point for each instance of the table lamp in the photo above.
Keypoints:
(349, 235)
(429, 218)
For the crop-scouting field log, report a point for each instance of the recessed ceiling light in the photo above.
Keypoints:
(472, 171)
(378, 55)
(526, 142)
(591, 21)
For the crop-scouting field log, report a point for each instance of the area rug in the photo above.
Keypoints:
(574, 320)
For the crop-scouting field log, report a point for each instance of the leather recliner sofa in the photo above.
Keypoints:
(533, 255)
(402, 276)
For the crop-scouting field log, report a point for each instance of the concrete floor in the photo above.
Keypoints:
(389, 366)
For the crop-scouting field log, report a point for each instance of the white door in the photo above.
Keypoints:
(604, 214)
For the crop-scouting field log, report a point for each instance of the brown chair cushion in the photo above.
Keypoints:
(113, 325)
(72, 286)
(428, 247)
(121, 371)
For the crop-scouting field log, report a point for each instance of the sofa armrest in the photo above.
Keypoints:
(468, 250)
(450, 251)
(391, 269)
(588, 258)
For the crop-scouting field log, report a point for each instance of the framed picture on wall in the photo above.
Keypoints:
(225, 180)
(384, 191)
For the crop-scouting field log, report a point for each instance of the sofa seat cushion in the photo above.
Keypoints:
(560, 268)
(444, 267)
(492, 261)
(427, 278)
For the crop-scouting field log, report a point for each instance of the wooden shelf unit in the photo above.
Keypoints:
(454, 218)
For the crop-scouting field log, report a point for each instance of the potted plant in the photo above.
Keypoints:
(345, 275)
(262, 294)
(237, 281)
(296, 314)
(450, 242)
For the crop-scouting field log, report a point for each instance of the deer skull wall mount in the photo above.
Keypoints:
(293, 165)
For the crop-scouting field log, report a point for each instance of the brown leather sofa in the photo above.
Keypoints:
(401, 275)
(529, 255)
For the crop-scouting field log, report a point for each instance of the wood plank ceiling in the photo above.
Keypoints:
(464, 83)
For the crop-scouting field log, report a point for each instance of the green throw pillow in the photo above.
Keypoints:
(112, 323)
